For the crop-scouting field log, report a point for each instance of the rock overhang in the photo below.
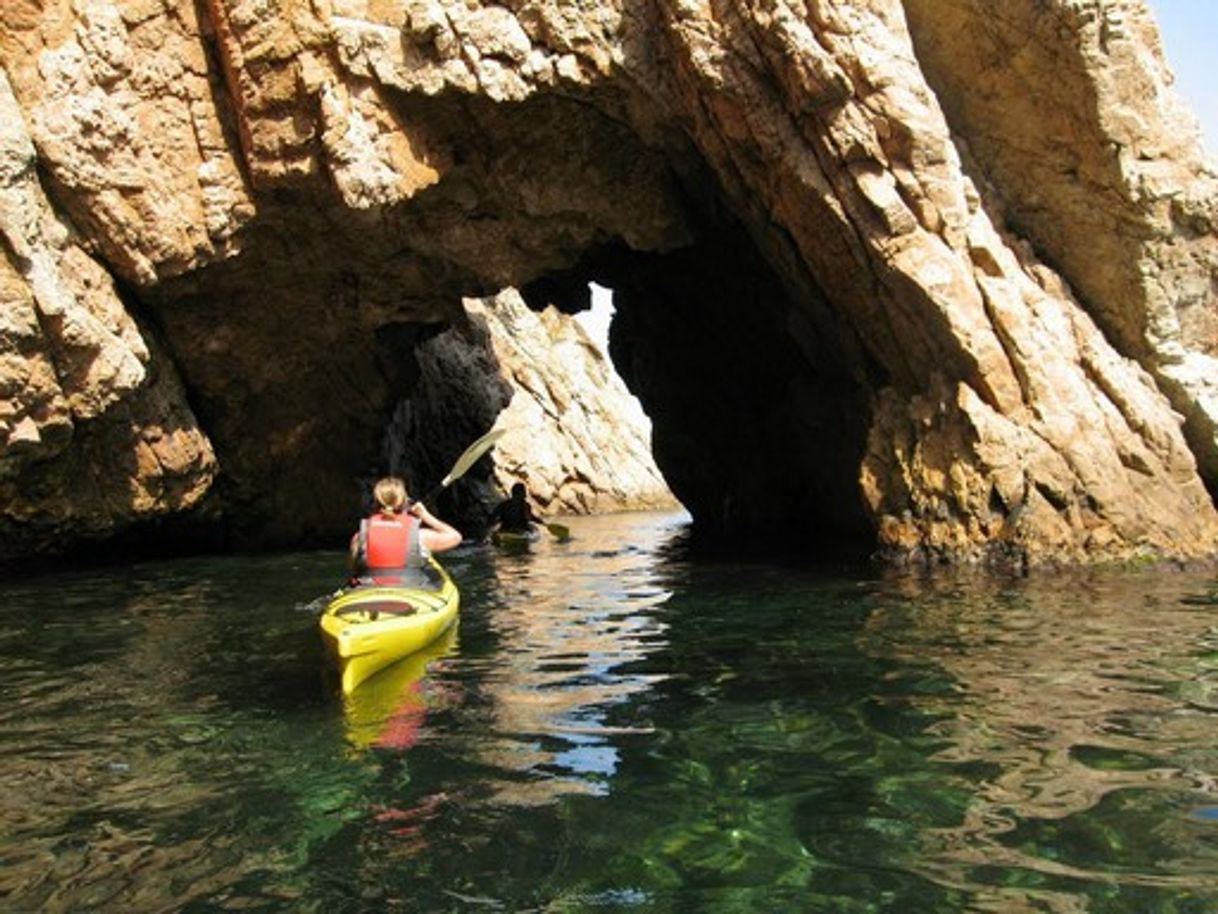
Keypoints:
(802, 255)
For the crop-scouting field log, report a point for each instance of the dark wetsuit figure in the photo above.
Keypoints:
(514, 515)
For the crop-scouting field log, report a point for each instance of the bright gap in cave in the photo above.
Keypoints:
(595, 322)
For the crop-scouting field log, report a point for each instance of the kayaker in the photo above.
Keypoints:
(514, 515)
(392, 546)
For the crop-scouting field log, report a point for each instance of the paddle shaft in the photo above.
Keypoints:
(467, 459)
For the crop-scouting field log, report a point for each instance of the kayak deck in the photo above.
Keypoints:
(368, 628)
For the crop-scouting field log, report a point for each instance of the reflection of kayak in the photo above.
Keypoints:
(388, 707)
(512, 541)
(370, 627)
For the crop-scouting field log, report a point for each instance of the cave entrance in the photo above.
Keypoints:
(758, 427)
(573, 433)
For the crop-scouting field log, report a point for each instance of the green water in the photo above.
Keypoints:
(617, 727)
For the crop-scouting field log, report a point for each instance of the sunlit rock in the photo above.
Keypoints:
(96, 434)
(572, 434)
(898, 274)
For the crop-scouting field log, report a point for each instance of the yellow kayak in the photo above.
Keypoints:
(368, 628)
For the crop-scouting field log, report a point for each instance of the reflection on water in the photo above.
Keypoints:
(1089, 700)
(389, 710)
(564, 628)
(615, 724)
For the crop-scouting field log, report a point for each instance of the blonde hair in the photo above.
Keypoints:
(390, 495)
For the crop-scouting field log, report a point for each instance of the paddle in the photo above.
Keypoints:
(467, 459)
(560, 532)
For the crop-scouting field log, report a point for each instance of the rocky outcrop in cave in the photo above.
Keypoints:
(918, 276)
(570, 431)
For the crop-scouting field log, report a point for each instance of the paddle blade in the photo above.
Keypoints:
(470, 456)
(559, 532)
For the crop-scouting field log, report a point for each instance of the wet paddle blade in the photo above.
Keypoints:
(467, 459)
(471, 455)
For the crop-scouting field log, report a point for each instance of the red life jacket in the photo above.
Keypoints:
(389, 546)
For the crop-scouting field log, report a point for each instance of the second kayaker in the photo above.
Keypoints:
(515, 515)
(393, 544)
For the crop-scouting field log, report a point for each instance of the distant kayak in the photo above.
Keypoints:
(512, 541)
(368, 628)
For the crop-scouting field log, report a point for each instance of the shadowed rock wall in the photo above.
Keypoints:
(866, 288)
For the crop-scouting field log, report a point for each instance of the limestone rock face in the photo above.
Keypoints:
(571, 436)
(121, 103)
(1098, 166)
(95, 430)
(910, 273)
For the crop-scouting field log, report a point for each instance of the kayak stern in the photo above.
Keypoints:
(368, 628)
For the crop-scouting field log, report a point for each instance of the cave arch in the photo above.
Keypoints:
(758, 426)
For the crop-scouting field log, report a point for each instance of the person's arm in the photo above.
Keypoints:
(434, 534)
(356, 549)
(355, 554)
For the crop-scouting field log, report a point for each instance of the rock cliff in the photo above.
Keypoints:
(931, 276)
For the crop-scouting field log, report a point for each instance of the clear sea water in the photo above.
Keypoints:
(616, 725)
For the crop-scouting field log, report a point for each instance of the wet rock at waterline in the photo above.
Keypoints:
(879, 278)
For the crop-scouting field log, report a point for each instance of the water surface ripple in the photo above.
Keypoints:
(616, 724)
